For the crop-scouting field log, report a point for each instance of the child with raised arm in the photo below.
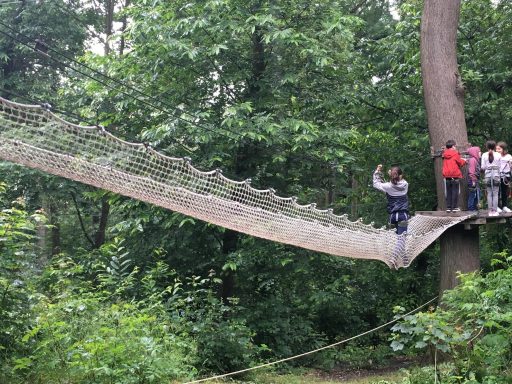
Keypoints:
(491, 169)
(473, 178)
(396, 194)
(452, 175)
(398, 209)
(505, 161)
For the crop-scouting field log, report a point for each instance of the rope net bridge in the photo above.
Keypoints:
(35, 137)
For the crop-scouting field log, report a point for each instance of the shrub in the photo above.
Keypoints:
(474, 327)
(17, 261)
(86, 339)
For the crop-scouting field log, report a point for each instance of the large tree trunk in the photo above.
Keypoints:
(444, 102)
(456, 258)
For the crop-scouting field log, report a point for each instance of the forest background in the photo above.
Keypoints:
(303, 97)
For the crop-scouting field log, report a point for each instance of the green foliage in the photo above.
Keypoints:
(304, 97)
(83, 339)
(224, 342)
(141, 327)
(17, 265)
(474, 326)
(363, 356)
(82, 335)
(117, 262)
(23, 70)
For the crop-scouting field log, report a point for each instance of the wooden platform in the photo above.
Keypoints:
(479, 218)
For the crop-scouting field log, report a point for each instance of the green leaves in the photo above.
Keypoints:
(125, 342)
(118, 262)
(17, 270)
(474, 326)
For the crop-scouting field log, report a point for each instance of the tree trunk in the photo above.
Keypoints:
(355, 199)
(56, 244)
(444, 103)
(109, 23)
(258, 63)
(457, 255)
(9, 66)
(99, 237)
(442, 86)
(229, 245)
(242, 164)
(123, 29)
(55, 229)
(41, 235)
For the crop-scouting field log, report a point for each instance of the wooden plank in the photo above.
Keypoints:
(480, 218)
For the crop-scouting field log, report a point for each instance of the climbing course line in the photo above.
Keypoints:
(314, 350)
(33, 136)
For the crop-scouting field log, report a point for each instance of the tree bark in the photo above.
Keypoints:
(229, 245)
(442, 85)
(53, 214)
(457, 255)
(243, 165)
(12, 64)
(123, 29)
(99, 237)
(355, 200)
(109, 24)
(56, 244)
(258, 63)
(80, 219)
(444, 102)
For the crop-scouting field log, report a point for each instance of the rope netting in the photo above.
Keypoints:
(35, 137)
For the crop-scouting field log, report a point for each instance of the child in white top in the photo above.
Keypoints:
(491, 168)
(505, 161)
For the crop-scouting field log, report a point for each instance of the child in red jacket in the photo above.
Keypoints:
(452, 175)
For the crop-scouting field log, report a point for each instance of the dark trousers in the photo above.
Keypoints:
(452, 193)
(504, 191)
(473, 196)
(399, 220)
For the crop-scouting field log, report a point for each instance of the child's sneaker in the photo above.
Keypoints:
(493, 213)
(456, 210)
(507, 210)
(498, 210)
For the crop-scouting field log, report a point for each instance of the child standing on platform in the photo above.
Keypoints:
(491, 167)
(473, 178)
(452, 175)
(505, 161)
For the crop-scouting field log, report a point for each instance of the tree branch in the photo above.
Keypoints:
(81, 220)
(355, 10)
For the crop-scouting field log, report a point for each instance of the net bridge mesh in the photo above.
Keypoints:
(33, 136)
